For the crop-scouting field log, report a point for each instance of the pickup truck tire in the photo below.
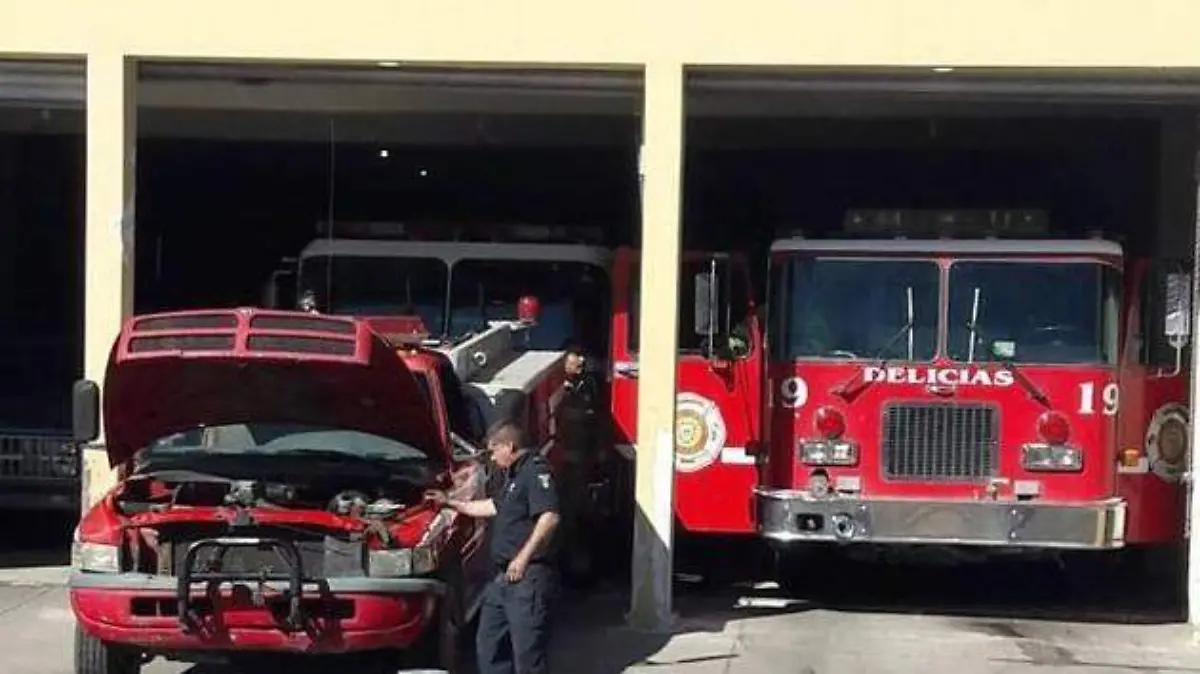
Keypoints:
(440, 648)
(93, 656)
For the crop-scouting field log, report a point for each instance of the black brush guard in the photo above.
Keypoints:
(285, 550)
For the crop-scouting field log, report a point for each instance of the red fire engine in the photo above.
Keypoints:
(453, 280)
(1005, 393)
(719, 385)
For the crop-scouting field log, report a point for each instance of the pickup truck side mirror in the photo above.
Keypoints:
(85, 411)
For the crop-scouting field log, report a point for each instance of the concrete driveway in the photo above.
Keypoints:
(738, 630)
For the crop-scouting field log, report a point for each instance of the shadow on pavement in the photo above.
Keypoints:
(998, 589)
(591, 635)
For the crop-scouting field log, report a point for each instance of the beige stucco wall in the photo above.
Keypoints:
(663, 35)
(1146, 33)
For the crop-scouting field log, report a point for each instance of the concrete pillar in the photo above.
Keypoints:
(662, 175)
(108, 256)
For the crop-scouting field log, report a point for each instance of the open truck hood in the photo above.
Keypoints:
(173, 372)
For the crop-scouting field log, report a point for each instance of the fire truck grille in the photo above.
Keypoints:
(939, 441)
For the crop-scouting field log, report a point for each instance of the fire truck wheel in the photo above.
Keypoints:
(579, 565)
(93, 656)
(795, 567)
(1105, 576)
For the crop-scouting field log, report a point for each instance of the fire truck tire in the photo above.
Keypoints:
(93, 656)
(579, 565)
(1157, 571)
(794, 568)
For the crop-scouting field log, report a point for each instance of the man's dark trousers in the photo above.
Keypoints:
(514, 622)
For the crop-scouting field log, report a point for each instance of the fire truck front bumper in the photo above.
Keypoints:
(786, 516)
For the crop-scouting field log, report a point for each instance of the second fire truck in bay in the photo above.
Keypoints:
(718, 387)
(455, 279)
(972, 394)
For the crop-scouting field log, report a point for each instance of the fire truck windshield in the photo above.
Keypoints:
(571, 295)
(1003, 309)
(378, 286)
(854, 308)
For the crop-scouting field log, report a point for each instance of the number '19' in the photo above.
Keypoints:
(1109, 398)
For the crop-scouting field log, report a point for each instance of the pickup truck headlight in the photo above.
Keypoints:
(829, 453)
(1047, 457)
(95, 557)
(400, 563)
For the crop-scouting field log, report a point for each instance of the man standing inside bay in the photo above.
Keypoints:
(577, 430)
(514, 620)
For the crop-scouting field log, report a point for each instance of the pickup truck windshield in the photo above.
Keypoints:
(268, 438)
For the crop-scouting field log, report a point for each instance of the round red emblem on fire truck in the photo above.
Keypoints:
(1167, 441)
(699, 432)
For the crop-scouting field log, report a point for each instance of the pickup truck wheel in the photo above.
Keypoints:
(93, 656)
(441, 645)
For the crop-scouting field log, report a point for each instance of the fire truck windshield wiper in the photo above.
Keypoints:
(1031, 388)
(881, 356)
(906, 329)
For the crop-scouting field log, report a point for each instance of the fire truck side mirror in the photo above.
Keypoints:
(1177, 305)
(280, 290)
(705, 311)
(85, 411)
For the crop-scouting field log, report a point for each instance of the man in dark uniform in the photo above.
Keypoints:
(576, 427)
(514, 620)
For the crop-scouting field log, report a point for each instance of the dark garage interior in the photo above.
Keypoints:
(215, 215)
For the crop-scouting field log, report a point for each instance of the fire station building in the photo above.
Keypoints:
(681, 75)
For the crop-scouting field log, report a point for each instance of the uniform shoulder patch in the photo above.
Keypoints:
(544, 480)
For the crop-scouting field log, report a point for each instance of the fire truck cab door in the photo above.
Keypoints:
(718, 391)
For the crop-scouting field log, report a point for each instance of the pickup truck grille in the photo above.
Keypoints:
(321, 556)
(940, 441)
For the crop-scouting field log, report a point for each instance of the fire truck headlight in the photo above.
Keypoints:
(829, 453)
(1044, 457)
